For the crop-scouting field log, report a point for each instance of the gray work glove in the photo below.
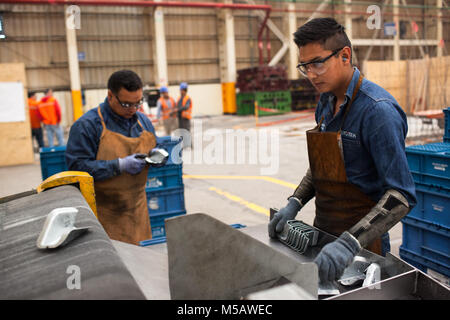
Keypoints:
(336, 256)
(132, 164)
(289, 212)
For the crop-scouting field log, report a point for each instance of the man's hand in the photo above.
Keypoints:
(280, 218)
(336, 256)
(132, 164)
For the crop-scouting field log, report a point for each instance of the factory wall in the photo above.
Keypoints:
(112, 38)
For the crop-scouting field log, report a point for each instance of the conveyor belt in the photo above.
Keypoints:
(27, 272)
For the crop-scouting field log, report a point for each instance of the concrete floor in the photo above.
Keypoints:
(233, 193)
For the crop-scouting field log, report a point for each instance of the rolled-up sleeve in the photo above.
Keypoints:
(81, 152)
(385, 132)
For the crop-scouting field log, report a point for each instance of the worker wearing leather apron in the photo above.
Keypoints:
(105, 143)
(358, 170)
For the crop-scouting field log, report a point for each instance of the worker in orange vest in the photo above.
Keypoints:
(184, 108)
(35, 119)
(51, 113)
(166, 109)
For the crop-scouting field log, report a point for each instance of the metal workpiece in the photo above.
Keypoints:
(59, 228)
(208, 259)
(298, 235)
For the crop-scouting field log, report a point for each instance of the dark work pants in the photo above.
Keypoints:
(37, 134)
(184, 123)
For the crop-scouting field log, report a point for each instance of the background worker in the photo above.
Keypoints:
(106, 142)
(35, 119)
(51, 117)
(166, 109)
(184, 107)
(358, 170)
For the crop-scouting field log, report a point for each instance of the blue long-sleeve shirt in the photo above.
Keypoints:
(373, 139)
(84, 139)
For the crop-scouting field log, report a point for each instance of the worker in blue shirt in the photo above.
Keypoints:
(109, 142)
(358, 170)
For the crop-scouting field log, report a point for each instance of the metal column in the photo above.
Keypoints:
(72, 23)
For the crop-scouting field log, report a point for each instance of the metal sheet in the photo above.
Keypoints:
(208, 259)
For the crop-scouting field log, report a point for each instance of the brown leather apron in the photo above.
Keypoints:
(121, 200)
(339, 203)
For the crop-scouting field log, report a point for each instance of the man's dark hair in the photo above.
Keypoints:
(31, 93)
(126, 79)
(325, 31)
(47, 91)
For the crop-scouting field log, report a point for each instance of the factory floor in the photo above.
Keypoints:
(229, 181)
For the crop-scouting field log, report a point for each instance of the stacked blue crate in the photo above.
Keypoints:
(52, 161)
(426, 229)
(165, 190)
(447, 125)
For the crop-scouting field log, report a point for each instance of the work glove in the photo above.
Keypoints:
(289, 212)
(132, 164)
(336, 256)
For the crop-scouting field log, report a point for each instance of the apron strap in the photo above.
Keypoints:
(355, 91)
(101, 118)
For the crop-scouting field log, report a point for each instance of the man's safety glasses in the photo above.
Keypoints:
(130, 105)
(317, 66)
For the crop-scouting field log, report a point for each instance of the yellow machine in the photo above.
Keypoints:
(83, 180)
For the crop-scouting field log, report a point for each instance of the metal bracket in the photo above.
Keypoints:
(59, 229)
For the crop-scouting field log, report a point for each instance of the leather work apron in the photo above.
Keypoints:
(339, 203)
(121, 200)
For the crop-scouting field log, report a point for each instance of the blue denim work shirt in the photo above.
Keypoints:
(84, 140)
(373, 139)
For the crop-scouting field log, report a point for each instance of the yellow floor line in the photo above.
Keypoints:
(265, 178)
(241, 201)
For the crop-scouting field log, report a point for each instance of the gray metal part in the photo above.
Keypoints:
(30, 273)
(412, 285)
(208, 259)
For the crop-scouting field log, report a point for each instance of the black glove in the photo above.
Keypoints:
(336, 256)
(280, 218)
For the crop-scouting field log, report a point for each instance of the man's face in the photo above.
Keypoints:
(165, 95)
(183, 92)
(125, 97)
(332, 76)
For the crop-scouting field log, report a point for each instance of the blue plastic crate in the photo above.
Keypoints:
(165, 200)
(173, 145)
(52, 161)
(159, 235)
(168, 176)
(430, 164)
(423, 263)
(157, 223)
(447, 125)
(433, 205)
(427, 240)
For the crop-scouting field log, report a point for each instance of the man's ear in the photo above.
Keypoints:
(110, 95)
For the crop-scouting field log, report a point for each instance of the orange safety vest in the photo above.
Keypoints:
(186, 113)
(35, 119)
(47, 109)
(166, 110)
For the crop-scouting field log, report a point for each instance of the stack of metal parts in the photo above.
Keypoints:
(298, 236)
(262, 78)
(303, 94)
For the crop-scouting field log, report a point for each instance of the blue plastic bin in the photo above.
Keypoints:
(52, 161)
(165, 177)
(165, 201)
(422, 263)
(433, 205)
(426, 240)
(447, 125)
(430, 163)
(158, 225)
(173, 145)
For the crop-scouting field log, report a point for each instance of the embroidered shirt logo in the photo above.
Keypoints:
(348, 134)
